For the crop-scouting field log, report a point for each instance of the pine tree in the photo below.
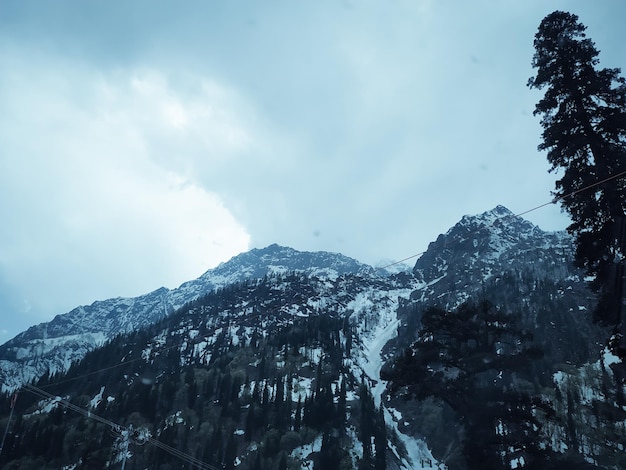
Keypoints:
(230, 453)
(583, 114)
(474, 359)
(250, 422)
(297, 420)
(572, 438)
(380, 436)
(342, 403)
(328, 458)
(282, 463)
(257, 462)
(366, 428)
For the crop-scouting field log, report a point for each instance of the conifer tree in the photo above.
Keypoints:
(366, 428)
(474, 359)
(342, 402)
(282, 463)
(380, 435)
(230, 453)
(257, 462)
(250, 422)
(297, 420)
(583, 115)
(330, 455)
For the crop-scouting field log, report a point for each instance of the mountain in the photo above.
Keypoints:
(508, 260)
(256, 366)
(482, 247)
(274, 360)
(54, 345)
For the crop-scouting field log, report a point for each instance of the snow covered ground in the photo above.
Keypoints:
(379, 322)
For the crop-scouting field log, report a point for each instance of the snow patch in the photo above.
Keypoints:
(303, 453)
(378, 324)
(95, 401)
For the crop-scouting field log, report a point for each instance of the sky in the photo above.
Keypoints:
(143, 142)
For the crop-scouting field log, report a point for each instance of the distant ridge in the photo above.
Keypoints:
(54, 345)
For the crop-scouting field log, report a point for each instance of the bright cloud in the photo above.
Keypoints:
(82, 184)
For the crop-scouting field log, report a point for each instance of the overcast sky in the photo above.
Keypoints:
(143, 142)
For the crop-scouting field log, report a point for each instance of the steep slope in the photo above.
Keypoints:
(261, 370)
(282, 354)
(510, 262)
(52, 346)
(482, 247)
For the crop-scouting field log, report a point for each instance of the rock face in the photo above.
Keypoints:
(512, 263)
(483, 247)
(54, 345)
(478, 252)
(276, 330)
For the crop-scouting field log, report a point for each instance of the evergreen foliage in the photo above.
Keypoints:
(475, 359)
(583, 114)
(231, 397)
(263, 375)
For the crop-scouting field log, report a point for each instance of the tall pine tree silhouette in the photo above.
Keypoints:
(583, 114)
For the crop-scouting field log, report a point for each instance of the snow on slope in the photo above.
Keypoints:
(377, 323)
(53, 346)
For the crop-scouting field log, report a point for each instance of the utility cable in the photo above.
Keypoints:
(67, 404)
(193, 460)
(104, 369)
(553, 201)
(6, 431)
(117, 428)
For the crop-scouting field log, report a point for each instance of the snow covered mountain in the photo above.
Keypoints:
(54, 345)
(280, 352)
(508, 260)
(454, 268)
(482, 247)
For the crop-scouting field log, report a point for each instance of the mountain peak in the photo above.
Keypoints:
(497, 239)
(502, 209)
(81, 329)
(275, 259)
(492, 215)
(499, 211)
(500, 221)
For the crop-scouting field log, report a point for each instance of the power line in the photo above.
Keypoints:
(69, 405)
(402, 260)
(553, 201)
(119, 429)
(104, 369)
(6, 431)
(193, 460)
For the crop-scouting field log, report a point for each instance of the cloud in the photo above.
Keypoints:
(386, 131)
(88, 207)
(143, 142)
